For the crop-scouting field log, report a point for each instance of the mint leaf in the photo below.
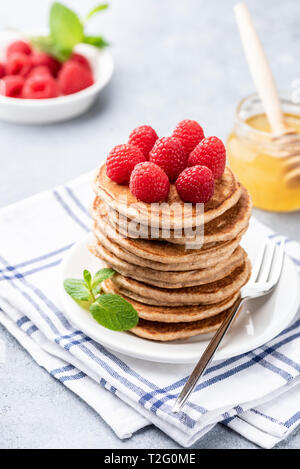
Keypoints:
(101, 275)
(96, 41)
(46, 44)
(67, 30)
(110, 310)
(77, 289)
(65, 27)
(88, 278)
(96, 9)
(114, 313)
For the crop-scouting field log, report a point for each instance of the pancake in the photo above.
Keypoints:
(170, 279)
(118, 197)
(128, 256)
(166, 253)
(232, 222)
(183, 330)
(173, 314)
(132, 258)
(222, 228)
(209, 293)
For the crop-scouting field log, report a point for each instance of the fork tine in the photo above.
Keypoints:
(258, 263)
(277, 265)
(267, 263)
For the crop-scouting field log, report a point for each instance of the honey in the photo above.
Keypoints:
(259, 161)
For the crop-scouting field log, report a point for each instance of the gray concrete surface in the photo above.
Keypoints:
(174, 60)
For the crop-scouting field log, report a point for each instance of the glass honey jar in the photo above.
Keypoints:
(268, 167)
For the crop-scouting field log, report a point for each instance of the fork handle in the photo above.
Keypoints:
(207, 356)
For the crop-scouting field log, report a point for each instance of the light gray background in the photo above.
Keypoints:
(174, 59)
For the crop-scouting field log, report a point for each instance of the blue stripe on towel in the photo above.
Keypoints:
(31, 330)
(292, 420)
(69, 211)
(64, 369)
(78, 375)
(37, 259)
(18, 275)
(272, 419)
(22, 321)
(77, 201)
(67, 336)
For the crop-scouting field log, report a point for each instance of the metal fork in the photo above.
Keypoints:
(264, 278)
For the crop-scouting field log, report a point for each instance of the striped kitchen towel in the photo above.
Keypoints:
(130, 393)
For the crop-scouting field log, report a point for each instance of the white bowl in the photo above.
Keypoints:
(42, 111)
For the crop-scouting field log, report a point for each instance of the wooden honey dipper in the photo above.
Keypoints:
(282, 133)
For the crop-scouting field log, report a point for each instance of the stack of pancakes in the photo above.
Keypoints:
(178, 291)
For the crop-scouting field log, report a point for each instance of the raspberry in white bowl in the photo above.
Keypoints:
(61, 95)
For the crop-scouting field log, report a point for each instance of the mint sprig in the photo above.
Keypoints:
(96, 41)
(95, 10)
(110, 310)
(78, 289)
(113, 312)
(46, 44)
(67, 30)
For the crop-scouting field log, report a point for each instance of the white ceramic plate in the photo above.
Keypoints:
(45, 111)
(263, 319)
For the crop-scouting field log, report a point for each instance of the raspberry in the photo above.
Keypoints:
(39, 58)
(40, 87)
(18, 46)
(121, 161)
(18, 64)
(40, 70)
(12, 86)
(81, 59)
(210, 152)
(168, 153)
(190, 133)
(74, 77)
(144, 138)
(149, 183)
(2, 70)
(195, 184)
